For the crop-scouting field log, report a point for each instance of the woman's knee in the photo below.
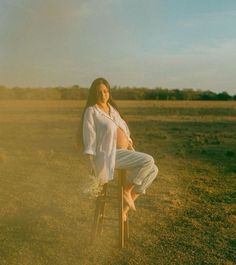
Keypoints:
(153, 173)
(148, 159)
(156, 170)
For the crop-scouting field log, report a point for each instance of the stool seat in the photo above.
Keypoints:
(99, 214)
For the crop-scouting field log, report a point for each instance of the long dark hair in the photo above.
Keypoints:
(93, 94)
(92, 100)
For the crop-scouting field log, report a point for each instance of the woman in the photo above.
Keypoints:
(108, 144)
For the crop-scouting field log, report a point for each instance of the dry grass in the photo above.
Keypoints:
(187, 216)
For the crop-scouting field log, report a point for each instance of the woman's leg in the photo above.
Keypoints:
(134, 196)
(142, 172)
(147, 181)
(128, 195)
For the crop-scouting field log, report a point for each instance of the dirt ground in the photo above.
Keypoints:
(187, 216)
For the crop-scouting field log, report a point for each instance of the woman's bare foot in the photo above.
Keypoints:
(125, 212)
(124, 217)
(134, 195)
(129, 200)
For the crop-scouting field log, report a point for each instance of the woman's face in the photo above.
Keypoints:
(102, 94)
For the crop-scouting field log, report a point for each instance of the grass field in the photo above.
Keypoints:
(187, 217)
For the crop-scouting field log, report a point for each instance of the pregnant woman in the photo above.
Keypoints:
(108, 144)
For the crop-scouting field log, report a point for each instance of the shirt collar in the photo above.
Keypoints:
(112, 111)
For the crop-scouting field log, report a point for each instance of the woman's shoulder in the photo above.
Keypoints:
(89, 111)
(90, 108)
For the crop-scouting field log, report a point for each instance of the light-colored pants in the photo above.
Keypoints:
(140, 166)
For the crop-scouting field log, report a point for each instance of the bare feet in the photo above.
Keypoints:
(124, 216)
(129, 200)
(125, 212)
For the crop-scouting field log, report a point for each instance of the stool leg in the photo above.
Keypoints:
(100, 211)
(97, 215)
(126, 223)
(95, 220)
(121, 178)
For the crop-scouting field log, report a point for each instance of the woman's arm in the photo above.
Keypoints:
(89, 132)
(130, 146)
(89, 140)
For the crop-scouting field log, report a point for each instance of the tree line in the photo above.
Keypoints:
(130, 93)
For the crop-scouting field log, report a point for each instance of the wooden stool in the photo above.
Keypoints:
(123, 227)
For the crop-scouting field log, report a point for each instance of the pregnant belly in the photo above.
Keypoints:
(122, 141)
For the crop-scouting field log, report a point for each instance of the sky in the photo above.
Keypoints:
(142, 43)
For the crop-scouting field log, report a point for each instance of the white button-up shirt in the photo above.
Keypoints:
(99, 138)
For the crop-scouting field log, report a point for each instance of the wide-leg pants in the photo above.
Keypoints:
(140, 166)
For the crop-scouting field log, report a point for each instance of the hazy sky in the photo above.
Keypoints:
(168, 43)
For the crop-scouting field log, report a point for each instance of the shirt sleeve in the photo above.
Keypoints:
(89, 132)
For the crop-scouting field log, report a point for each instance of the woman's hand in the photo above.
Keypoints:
(91, 165)
(130, 146)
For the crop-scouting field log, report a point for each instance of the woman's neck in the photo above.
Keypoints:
(104, 106)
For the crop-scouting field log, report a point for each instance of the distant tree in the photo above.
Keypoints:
(83, 93)
(5, 93)
(223, 96)
(150, 94)
(208, 95)
(189, 94)
(69, 93)
(130, 93)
